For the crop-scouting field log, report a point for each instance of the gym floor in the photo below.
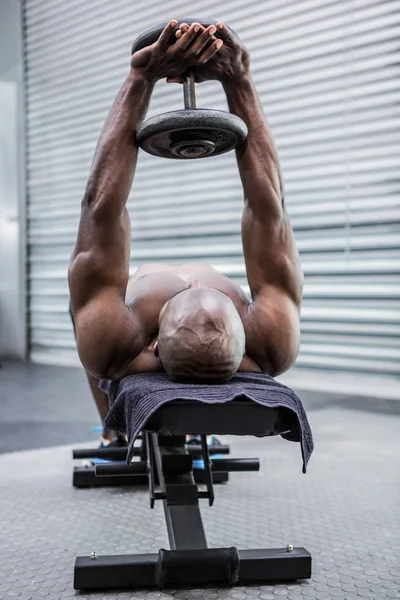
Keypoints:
(345, 511)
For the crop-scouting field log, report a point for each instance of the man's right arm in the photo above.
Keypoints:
(109, 333)
(99, 266)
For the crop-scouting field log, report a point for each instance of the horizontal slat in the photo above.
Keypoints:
(341, 313)
(325, 18)
(367, 365)
(327, 272)
(334, 152)
(324, 151)
(217, 223)
(212, 249)
(327, 332)
(43, 216)
(372, 192)
(303, 180)
(361, 291)
(64, 99)
(283, 51)
(364, 56)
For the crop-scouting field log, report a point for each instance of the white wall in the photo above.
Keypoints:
(12, 201)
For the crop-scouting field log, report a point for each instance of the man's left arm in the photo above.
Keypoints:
(272, 262)
(268, 239)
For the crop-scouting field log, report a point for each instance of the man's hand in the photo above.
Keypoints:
(229, 64)
(194, 48)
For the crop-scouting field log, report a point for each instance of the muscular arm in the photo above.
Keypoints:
(98, 273)
(109, 333)
(272, 263)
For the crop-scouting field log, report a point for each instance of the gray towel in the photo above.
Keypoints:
(135, 398)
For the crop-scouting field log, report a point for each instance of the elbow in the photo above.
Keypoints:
(105, 367)
(283, 364)
(285, 352)
(286, 358)
(96, 363)
(103, 371)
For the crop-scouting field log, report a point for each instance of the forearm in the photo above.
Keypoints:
(115, 158)
(257, 158)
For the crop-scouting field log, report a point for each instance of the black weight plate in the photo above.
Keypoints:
(151, 35)
(215, 131)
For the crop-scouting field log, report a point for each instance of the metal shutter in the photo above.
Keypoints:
(328, 76)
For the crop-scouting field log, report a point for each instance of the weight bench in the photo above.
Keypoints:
(189, 561)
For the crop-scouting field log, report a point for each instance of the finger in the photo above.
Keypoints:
(202, 40)
(165, 35)
(225, 33)
(184, 27)
(188, 37)
(210, 52)
(179, 34)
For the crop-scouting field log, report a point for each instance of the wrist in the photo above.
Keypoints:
(140, 75)
(233, 82)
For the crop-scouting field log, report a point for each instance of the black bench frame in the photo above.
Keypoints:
(85, 476)
(189, 561)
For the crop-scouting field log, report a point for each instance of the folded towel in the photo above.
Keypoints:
(135, 398)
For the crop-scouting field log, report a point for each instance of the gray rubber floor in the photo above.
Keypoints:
(42, 405)
(345, 511)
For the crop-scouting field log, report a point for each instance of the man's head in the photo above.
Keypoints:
(201, 336)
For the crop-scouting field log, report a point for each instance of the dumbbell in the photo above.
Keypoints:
(192, 132)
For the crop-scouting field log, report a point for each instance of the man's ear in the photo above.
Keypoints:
(156, 353)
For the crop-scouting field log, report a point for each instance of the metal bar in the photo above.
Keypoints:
(85, 477)
(196, 449)
(235, 464)
(133, 571)
(207, 469)
(187, 527)
(189, 94)
(118, 469)
(150, 467)
(108, 453)
(157, 460)
(182, 511)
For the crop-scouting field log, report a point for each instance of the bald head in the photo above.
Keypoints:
(201, 336)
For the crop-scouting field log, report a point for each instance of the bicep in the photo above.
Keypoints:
(270, 253)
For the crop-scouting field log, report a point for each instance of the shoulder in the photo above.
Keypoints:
(148, 268)
(147, 293)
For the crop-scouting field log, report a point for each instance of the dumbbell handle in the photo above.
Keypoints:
(189, 94)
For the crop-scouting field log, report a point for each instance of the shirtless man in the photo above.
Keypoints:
(190, 321)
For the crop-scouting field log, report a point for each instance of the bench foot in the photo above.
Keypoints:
(143, 570)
